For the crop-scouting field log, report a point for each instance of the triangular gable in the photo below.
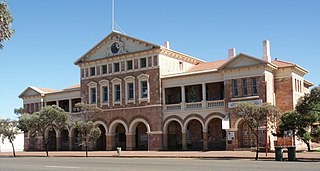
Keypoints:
(31, 91)
(115, 44)
(242, 60)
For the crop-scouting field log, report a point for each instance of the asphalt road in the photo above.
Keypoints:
(146, 164)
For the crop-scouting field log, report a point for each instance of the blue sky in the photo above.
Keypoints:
(52, 34)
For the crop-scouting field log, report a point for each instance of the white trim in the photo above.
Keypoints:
(206, 124)
(90, 86)
(96, 123)
(129, 79)
(116, 81)
(166, 125)
(115, 123)
(104, 83)
(144, 77)
(191, 118)
(134, 124)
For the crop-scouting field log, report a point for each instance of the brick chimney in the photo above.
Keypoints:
(231, 53)
(266, 51)
(167, 44)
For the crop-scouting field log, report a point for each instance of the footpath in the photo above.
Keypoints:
(301, 156)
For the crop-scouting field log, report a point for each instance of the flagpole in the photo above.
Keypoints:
(112, 15)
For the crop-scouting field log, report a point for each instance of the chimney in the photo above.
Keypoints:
(231, 53)
(167, 44)
(266, 51)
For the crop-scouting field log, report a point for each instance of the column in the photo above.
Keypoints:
(70, 105)
(184, 140)
(58, 140)
(205, 139)
(204, 98)
(109, 143)
(41, 103)
(130, 141)
(57, 102)
(165, 141)
(183, 97)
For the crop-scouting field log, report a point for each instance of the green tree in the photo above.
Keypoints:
(87, 133)
(49, 117)
(307, 112)
(257, 116)
(6, 19)
(9, 130)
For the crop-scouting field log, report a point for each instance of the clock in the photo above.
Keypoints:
(115, 47)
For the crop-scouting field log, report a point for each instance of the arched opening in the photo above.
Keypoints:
(76, 145)
(120, 137)
(101, 141)
(174, 136)
(246, 138)
(64, 139)
(141, 138)
(216, 135)
(194, 135)
(52, 146)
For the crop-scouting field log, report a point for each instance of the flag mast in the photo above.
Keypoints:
(112, 15)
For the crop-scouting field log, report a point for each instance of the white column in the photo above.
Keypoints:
(57, 102)
(70, 105)
(204, 98)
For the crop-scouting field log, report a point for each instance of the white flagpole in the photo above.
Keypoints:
(113, 29)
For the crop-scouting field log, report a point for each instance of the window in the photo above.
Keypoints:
(92, 71)
(93, 95)
(244, 87)
(92, 86)
(104, 69)
(235, 88)
(130, 92)
(117, 95)
(105, 94)
(254, 86)
(82, 73)
(144, 89)
(180, 66)
(129, 65)
(143, 62)
(116, 67)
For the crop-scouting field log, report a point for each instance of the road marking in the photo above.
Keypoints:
(64, 167)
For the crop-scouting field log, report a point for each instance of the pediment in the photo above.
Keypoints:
(115, 44)
(242, 60)
(29, 92)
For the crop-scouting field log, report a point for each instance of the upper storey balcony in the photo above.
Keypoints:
(194, 97)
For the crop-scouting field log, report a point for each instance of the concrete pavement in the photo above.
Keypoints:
(165, 154)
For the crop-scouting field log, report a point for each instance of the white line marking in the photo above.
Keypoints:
(64, 167)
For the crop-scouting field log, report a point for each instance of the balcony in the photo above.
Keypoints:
(215, 104)
(194, 97)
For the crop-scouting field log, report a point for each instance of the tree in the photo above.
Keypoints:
(6, 19)
(9, 130)
(307, 112)
(87, 133)
(49, 117)
(257, 116)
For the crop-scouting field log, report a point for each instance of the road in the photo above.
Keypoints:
(146, 164)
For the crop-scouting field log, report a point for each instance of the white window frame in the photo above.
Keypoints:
(104, 83)
(139, 62)
(127, 65)
(102, 69)
(143, 77)
(116, 81)
(92, 85)
(95, 71)
(130, 79)
(113, 67)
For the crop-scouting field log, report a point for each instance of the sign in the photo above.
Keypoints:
(226, 123)
(230, 136)
(234, 104)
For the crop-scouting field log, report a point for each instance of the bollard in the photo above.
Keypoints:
(278, 153)
(119, 150)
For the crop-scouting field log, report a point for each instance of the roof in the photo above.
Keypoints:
(43, 91)
(207, 66)
(72, 87)
(281, 64)
(46, 90)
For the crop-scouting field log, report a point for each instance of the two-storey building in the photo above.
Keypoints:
(159, 99)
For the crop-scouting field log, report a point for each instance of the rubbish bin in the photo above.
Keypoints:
(292, 153)
(279, 153)
(118, 150)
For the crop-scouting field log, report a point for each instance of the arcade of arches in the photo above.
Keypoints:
(192, 134)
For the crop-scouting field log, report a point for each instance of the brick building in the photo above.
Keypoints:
(159, 99)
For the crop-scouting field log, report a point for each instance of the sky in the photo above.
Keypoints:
(50, 35)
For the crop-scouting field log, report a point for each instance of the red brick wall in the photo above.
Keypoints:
(284, 94)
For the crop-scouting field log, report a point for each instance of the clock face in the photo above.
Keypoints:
(115, 47)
